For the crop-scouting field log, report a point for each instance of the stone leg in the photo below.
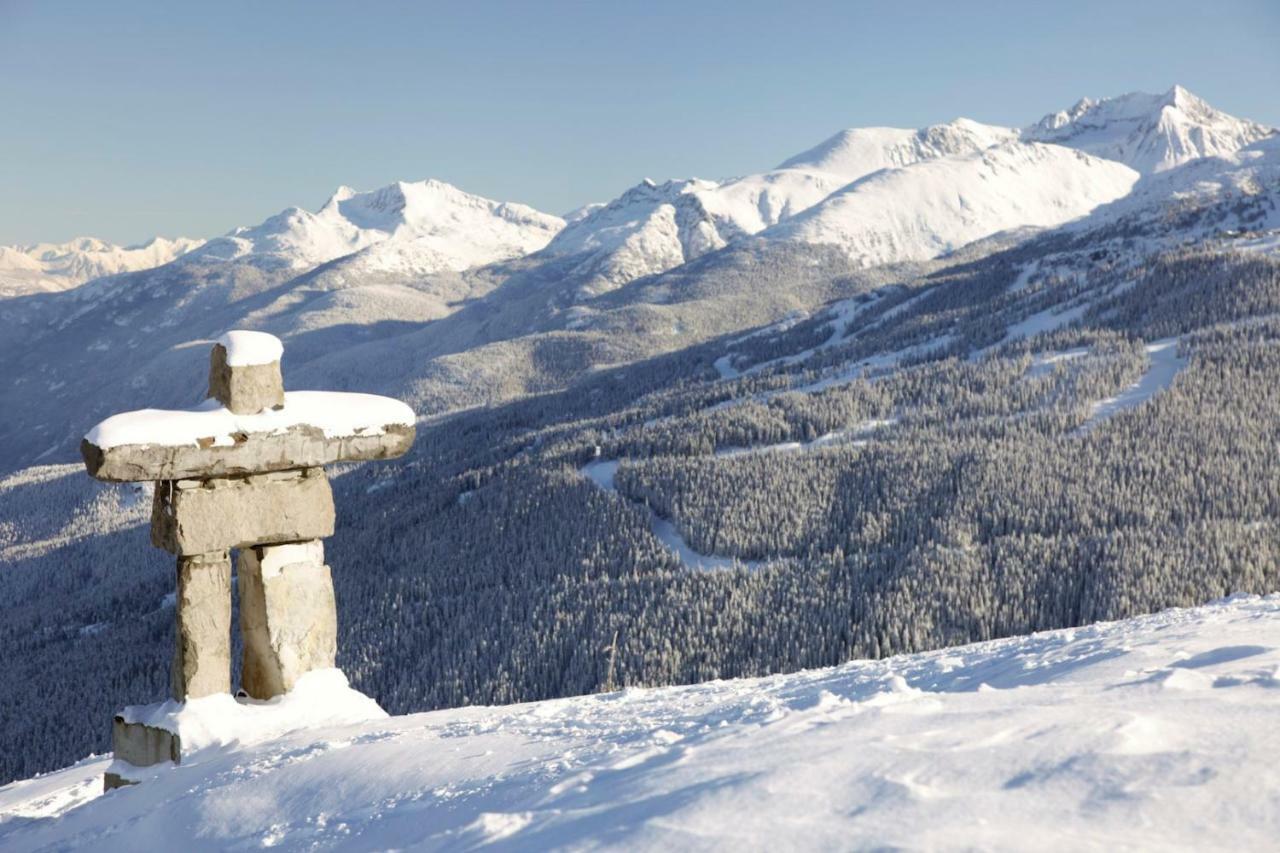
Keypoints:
(288, 617)
(202, 659)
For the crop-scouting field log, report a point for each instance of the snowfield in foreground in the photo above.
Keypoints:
(1158, 732)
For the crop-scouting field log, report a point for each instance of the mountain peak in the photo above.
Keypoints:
(1150, 133)
(1179, 97)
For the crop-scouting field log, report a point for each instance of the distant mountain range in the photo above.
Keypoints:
(463, 282)
(867, 191)
(46, 267)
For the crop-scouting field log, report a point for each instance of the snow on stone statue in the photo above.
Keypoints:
(243, 470)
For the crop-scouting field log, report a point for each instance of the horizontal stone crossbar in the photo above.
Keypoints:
(298, 446)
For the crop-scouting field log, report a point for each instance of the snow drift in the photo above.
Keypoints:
(1156, 732)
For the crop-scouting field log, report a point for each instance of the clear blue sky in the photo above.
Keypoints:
(125, 119)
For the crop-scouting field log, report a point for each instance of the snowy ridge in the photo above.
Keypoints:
(654, 227)
(859, 151)
(420, 227)
(1096, 736)
(1247, 180)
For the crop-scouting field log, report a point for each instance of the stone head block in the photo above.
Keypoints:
(245, 389)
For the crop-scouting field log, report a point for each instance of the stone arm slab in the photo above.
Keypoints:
(311, 429)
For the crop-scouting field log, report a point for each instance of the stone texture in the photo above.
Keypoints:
(142, 746)
(200, 516)
(244, 389)
(202, 656)
(288, 618)
(301, 446)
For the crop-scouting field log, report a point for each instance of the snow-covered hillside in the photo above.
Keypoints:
(421, 227)
(934, 206)
(45, 267)
(1243, 184)
(1159, 732)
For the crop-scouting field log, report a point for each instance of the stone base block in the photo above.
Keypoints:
(137, 745)
(288, 617)
(200, 516)
(111, 781)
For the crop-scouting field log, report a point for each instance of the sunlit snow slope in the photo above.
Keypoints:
(1155, 733)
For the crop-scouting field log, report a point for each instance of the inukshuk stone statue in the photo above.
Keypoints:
(243, 471)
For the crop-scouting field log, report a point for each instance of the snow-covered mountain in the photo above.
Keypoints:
(46, 267)
(1151, 133)
(1093, 736)
(931, 207)
(410, 228)
(654, 227)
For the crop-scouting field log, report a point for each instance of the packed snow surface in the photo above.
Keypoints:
(336, 413)
(1161, 732)
(245, 348)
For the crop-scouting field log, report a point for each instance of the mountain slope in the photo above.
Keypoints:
(931, 207)
(1241, 187)
(1095, 734)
